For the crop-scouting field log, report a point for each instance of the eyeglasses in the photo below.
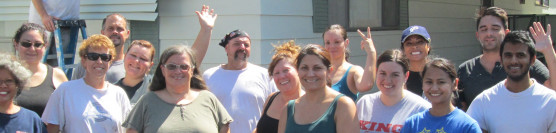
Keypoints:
(95, 56)
(29, 44)
(8, 82)
(172, 67)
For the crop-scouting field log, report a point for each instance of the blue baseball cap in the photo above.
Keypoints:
(416, 30)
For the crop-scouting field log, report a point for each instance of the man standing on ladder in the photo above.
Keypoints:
(45, 12)
(114, 26)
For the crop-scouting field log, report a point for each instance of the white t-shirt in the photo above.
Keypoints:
(374, 116)
(63, 9)
(79, 108)
(499, 110)
(242, 92)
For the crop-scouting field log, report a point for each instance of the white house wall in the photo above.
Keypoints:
(450, 23)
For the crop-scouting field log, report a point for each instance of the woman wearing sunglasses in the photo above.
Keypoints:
(179, 100)
(13, 118)
(89, 104)
(30, 42)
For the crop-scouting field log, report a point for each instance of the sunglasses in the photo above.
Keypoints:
(172, 67)
(95, 56)
(28, 44)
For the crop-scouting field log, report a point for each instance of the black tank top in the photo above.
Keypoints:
(268, 124)
(35, 98)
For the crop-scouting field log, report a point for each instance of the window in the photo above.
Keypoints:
(358, 14)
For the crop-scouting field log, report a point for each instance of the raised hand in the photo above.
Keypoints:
(367, 44)
(206, 17)
(543, 40)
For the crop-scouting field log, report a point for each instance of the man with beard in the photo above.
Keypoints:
(114, 26)
(485, 70)
(240, 86)
(519, 104)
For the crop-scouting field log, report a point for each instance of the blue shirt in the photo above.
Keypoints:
(454, 122)
(23, 121)
(342, 86)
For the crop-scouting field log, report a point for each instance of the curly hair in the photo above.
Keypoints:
(287, 51)
(17, 69)
(97, 41)
(159, 82)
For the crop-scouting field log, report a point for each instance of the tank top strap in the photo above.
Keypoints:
(291, 105)
(347, 72)
(333, 105)
(48, 79)
(270, 101)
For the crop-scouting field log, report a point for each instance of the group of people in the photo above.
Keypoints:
(311, 88)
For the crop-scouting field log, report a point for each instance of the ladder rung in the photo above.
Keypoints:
(72, 66)
(53, 56)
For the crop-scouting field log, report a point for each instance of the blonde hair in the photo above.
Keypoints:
(97, 41)
(287, 51)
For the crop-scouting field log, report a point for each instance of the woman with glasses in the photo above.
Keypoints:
(89, 104)
(140, 55)
(30, 42)
(179, 100)
(13, 118)
(321, 109)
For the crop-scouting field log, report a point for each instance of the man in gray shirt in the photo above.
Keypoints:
(114, 26)
(485, 70)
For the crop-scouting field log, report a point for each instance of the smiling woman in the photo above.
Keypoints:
(89, 104)
(30, 43)
(439, 86)
(388, 109)
(13, 77)
(137, 63)
(321, 109)
(179, 100)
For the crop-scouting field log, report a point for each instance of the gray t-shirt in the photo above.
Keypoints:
(374, 116)
(473, 78)
(114, 73)
(151, 114)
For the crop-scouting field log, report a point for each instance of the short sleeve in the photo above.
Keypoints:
(461, 76)
(474, 128)
(408, 125)
(539, 72)
(135, 119)
(476, 112)
(221, 115)
(54, 111)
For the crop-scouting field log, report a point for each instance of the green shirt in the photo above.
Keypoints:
(151, 114)
(324, 124)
